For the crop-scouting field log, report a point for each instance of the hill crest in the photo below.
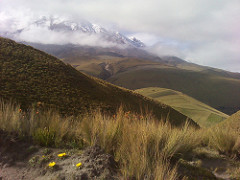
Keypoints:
(31, 76)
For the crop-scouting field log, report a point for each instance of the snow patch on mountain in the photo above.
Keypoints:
(97, 28)
(137, 42)
(62, 30)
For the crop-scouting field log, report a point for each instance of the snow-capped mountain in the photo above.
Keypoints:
(60, 24)
(137, 42)
(84, 28)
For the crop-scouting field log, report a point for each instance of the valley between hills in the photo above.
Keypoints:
(134, 68)
(74, 112)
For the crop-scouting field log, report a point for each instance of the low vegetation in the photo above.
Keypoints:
(29, 76)
(225, 137)
(142, 146)
(201, 113)
(225, 141)
(218, 89)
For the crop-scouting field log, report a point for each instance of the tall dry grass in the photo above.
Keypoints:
(226, 140)
(142, 146)
(45, 128)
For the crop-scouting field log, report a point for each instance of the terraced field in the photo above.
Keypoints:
(203, 114)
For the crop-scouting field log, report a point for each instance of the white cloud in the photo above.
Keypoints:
(147, 38)
(209, 28)
(46, 36)
(220, 54)
(169, 48)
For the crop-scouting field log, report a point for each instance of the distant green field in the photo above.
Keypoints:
(203, 114)
(216, 90)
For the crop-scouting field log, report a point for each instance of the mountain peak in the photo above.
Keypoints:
(53, 25)
(137, 42)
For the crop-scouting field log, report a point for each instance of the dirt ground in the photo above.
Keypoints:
(21, 160)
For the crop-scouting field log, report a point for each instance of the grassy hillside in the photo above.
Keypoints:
(30, 76)
(234, 118)
(203, 114)
(135, 69)
(233, 121)
(113, 66)
(217, 89)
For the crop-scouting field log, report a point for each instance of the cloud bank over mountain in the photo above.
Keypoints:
(204, 32)
(60, 30)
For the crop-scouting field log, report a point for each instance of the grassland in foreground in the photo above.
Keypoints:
(141, 146)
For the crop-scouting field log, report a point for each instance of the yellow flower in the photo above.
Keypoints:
(43, 156)
(78, 164)
(51, 164)
(62, 155)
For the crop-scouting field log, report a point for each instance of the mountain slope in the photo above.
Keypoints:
(203, 114)
(233, 122)
(215, 89)
(78, 54)
(135, 69)
(30, 76)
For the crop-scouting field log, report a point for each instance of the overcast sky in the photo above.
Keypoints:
(205, 32)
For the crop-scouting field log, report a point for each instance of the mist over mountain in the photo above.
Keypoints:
(204, 33)
(59, 30)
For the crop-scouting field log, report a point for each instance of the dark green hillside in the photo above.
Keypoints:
(30, 76)
(110, 68)
(214, 87)
(217, 89)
